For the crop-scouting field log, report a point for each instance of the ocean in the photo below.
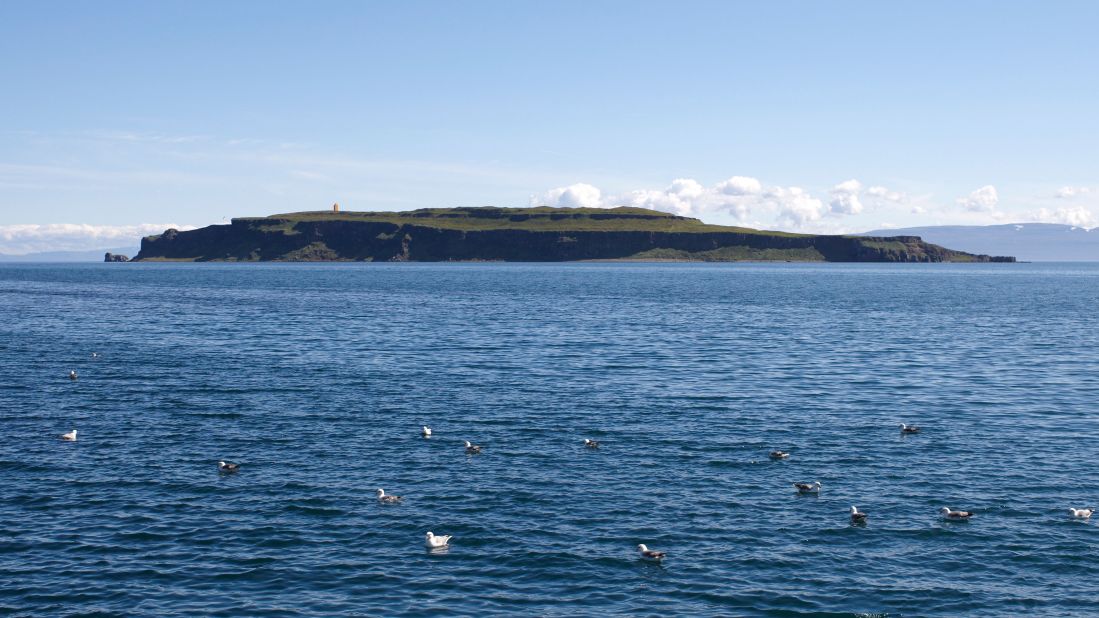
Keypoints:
(316, 378)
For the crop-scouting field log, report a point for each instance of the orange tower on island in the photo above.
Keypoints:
(336, 207)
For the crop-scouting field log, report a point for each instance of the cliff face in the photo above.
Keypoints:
(513, 235)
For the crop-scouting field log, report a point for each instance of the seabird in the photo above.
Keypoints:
(857, 517)
(472, 449)
(228, 466)
(95, 354)
(591, 443)
(808, 488)
(780, 455)
(648, 554)
(70, 437)
(435, 542)
(955, 515)
(426, 432)
(384, 499)
(909, 428)
(1081, 513)
(72, 375)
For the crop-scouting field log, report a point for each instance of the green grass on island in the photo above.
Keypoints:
(536, 219)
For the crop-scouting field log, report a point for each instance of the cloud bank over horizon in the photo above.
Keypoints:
(744, 200)
(38, 238)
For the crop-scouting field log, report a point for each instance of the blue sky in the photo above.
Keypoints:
(830, 117)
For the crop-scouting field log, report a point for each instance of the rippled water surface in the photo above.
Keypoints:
(317, 378)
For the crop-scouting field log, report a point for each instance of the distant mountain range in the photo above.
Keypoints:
(1044, 242)
(92, 255)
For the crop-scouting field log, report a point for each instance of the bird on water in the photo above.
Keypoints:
(650, 555)
(472, 449)
(779, 455)
(591, 443)
(228, 466)
(955, 515)
(857, 517)
(384, 499)
(425, 432)
(808, 488)
(69, 437)
(72, 375)
(1081, 513)
(909, 428)
(435, 542)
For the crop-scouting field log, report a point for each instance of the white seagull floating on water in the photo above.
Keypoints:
(228, 466)
(955, 515)
(1081, 513)
(857, 517)
(70, 437)
(472, 449)
(435, 542)
(648, 554)
(384, 499)
(426, 432)
(808, 488)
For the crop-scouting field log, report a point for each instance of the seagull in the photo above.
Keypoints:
(435, 542)
(780, 455)
(955, 515)
(472, 449)
(426, 432)
(384, 499)
(808, 488)
(650, 555)
(857, 517)
(909, 428)
(228, 466)
(95, 354)
(591, 443)
(69, 437)
(1077, 513)
(72, 375)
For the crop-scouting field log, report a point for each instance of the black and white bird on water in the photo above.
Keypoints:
(650, 555)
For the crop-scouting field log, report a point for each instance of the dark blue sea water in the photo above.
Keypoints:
(317, 379)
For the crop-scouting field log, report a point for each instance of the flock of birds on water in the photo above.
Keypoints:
(442, 541)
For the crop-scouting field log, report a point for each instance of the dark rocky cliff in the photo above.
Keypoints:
(316, 238)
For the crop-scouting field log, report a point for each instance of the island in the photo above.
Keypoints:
(538, 234)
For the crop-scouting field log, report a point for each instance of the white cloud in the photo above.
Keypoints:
(33, 238)
(684, 196)
(579, 195)
(1071, 192)
(884, 194)
(845, 198)
(795, 205)
(1077, 216)
(741, 197)
(739, 185)
(981, 200)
